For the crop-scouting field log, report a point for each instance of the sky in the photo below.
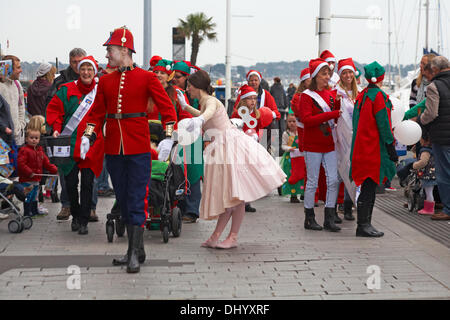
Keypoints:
(261, 31)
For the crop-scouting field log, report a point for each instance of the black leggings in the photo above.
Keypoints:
(82, 211)
(368, 192)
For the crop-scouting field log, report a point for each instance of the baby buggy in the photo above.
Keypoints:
(9, 189)
(414, 192)
(168, 186)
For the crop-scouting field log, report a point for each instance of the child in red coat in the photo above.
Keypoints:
(31, 161)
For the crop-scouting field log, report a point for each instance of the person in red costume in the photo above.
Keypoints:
(248, 117)
(264, 99)
(122, 99)
(67, 115)
(318, 112)
(298, 163)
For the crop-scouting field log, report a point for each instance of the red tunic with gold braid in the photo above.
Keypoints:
(129, 93)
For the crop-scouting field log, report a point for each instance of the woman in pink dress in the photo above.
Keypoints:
(237, 168)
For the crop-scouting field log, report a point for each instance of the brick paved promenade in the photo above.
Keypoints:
(276, 259)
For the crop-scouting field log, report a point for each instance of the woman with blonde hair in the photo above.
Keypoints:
(37, 92)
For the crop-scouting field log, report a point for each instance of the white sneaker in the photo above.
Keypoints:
(42, 210)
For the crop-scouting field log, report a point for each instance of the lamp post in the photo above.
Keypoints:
(147, 33)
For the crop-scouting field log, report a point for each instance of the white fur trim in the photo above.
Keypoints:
(330, 59)
(305, 77)
(346, 68)
(90, 62)
(249, 95)
(374, 80)
(254, 73)
(316, 71)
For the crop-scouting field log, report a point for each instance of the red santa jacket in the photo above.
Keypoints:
(60, 110)
(31, 160)
(317, 134)
(129, 93)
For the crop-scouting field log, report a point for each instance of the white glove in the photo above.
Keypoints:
(238, 123)
(84, 147)
(182, 99)
(164, 149)
(195, 123)
(274, 114)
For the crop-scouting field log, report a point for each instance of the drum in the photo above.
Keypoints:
(58, 149)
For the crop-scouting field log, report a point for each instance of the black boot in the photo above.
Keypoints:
(375, 231)
(249, 208)
(337, 220)
(330, 217)
(364, 228)
(75, 224)
(348, 208)
(124, 260)
(83, 230)
(27, 209)
(310, 221)
(137, 239)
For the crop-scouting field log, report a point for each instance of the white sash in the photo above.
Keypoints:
(299, 124)
(81, 112)
(263, 99)
(325, 107)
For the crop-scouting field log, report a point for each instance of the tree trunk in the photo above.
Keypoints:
(195, 49)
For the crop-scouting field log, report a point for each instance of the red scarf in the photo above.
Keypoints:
(85, 89)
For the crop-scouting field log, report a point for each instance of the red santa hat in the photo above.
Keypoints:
(121, 37)
(327, 56)
(315, 65)
(254, 73)
(305, 75)
(346, 64)
(91, 61)
(246, 91)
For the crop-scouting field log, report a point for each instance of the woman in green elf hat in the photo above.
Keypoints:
(373, 153)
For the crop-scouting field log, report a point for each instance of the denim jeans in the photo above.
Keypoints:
(329, 161)
(103, 182)
(442, 163)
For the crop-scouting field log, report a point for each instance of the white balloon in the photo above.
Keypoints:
(398, 112)
(408, 132)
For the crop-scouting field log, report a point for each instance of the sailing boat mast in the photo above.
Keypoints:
(427, 6)
(389, 42)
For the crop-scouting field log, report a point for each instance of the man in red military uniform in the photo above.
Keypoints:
(122, 99)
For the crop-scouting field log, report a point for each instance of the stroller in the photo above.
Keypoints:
(9, 189)
(414, 192)
(168, 186)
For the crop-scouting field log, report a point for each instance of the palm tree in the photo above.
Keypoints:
(198, 27)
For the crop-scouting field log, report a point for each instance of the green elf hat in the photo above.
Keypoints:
(290, 111)
(165, 66)
(182, 67)
(374, 72)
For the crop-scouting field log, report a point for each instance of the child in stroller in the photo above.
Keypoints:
(422, 180)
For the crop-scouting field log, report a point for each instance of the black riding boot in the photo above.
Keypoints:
(310, 220)
(348, 207)
(133, 265)
(125, 258)
(330, 218)
(379, 233)
(364, 228)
